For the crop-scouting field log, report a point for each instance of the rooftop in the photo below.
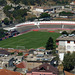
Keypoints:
(21, 65)
(66, 38)
(8, 72)
(4, 52)
(45, 68)
(68, 73)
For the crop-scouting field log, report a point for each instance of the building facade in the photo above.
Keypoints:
(66, 44)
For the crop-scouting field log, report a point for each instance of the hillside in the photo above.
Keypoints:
(40, 2)
(36, 2)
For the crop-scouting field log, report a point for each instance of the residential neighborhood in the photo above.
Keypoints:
(37, 37)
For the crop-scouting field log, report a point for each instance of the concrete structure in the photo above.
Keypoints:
(56, 25)
(65, 44)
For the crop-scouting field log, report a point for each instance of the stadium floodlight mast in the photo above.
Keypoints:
(20, 47)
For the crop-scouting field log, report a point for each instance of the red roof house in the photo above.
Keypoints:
(44, 69)
(21, 65)
(8, 72)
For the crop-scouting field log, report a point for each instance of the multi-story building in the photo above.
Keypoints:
(65, 44)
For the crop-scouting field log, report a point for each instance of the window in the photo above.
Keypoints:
(68, 41)
(74, 42)
(68, 47)
(74, 47)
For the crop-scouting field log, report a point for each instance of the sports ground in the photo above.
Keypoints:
(29, 40)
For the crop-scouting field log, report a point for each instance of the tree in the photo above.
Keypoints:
(69, 61)
(63, 13)
(44, 15)
(3, 2)
(73, 32)
(50, 44)
(6, 21)
(0, 24)
(2, 33)
(64, 32)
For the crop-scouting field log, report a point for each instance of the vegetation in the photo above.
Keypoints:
(20, 54)
(6, 21)
(63, 13)
(3, 2)
(17, 14)
(12, 53)
(29, 40)
(69, 61)
(0, 24)
(2, 33)
(44, 15)
(50, 44)
(73, 32)
(64, 32)
(40, 2)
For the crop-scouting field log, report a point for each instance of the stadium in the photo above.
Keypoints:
(34, 38)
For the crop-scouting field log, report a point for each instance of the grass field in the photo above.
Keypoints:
(29, 40)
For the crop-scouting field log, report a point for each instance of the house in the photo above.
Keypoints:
(65, 44)
(8, 72)
(4, 53)
(72, 3)
(21, 66)
(44, 69)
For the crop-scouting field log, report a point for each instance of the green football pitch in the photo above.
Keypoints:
(29, 40)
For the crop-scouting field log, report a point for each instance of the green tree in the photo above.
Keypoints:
(6, 21)
(44, 15)
(0, 24)
(2, 33)
(73, 32)
(50, 44)
(64, 32)
(3, 2)
(15, 1)
(69, 61)
(6, 8)
(63, 13)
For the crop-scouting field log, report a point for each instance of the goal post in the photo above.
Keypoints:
(20, 47)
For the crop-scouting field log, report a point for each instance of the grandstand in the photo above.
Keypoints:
(27, 26)
(24, 27)
(50, 26)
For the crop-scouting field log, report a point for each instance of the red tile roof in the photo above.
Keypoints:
(68, 73)
(21, 65)
(8, 72)
(26, 54)
(74, 2)
(46, 68)
(42, 48)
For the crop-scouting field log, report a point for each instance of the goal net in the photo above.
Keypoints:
(20, 47)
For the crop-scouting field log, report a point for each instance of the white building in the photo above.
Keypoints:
(39, 10)
(65, 44)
